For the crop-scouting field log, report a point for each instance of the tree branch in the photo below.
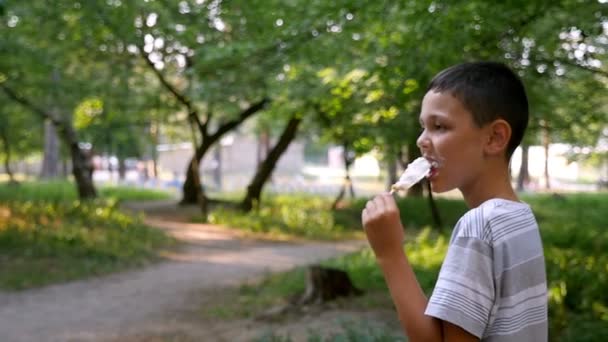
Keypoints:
(226, 127)
(26, 103)
(172, 89)
(192, 113)
(284, 44)
(572, 63)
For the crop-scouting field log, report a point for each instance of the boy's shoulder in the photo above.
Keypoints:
(494, 220)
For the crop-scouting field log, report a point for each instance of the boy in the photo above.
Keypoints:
(492, 284)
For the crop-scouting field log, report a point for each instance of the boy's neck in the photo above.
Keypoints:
(493, 182)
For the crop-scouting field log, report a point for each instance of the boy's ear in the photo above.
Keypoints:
(498, 136)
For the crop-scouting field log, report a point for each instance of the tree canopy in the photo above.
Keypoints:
(116, 73)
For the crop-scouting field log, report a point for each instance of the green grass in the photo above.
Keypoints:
(309, 217)
(47, 236)
(575, 235)
(61, 191)
(350, 331)
(250, 299)
(285, 217)
(574, 229)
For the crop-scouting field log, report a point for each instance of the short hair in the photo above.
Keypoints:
(490, 91)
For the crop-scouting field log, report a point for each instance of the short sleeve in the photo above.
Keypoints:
(464, 293)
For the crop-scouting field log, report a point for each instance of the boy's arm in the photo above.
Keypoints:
(385, 234)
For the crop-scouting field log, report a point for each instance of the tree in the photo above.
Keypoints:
(81, 166)
(19, 135)
(254, 189)
(41, 48)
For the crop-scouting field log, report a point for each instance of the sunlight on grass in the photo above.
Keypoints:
(574, 229)
(284, 216)
(48, 236)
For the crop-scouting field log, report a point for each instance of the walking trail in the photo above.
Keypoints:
(124, 304)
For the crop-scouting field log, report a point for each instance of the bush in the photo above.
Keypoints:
(47, 236)
(288, 216)
(575, 237)
(61, 191)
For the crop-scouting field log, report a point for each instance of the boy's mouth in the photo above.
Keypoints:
(434, 168)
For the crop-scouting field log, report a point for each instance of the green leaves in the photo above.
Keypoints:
(364, 64)
(87, 112)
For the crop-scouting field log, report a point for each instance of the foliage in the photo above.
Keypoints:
(22, 132)
(45, 242)
(64, 191)
(48, 236)
(576, 244)
(249, 299)
(573, 229)
(307, 216)
(131, 72)
(282, 216)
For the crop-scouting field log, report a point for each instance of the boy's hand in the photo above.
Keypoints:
(383, 226)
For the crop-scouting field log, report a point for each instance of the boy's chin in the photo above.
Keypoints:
(438, 188)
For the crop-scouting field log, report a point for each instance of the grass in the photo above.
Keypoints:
(574, 229)
(309, 217)
(350, 331)
(62, 191)
(48, 236)
(288, 217)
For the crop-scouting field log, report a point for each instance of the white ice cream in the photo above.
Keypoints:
(413, 174)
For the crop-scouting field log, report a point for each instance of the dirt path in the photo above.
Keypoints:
(123, 304)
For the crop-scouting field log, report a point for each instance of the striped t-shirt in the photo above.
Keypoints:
(492, 282)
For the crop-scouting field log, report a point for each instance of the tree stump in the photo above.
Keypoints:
(324, 284)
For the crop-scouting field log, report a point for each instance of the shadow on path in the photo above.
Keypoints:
(104, 308)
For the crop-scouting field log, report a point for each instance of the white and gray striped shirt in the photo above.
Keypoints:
(493, 282)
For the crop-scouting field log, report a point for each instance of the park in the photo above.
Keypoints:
(196, 170)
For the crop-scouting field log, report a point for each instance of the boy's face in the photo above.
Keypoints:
(451, 139)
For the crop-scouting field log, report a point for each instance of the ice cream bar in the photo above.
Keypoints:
(413, 174)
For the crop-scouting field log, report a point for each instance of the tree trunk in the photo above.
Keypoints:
(391, 172)
(347, 184)
(433, 205)
(324, 284)
(189, 189)
(64, 167)
(524, 177)
(7, 152)
(82, 168)
(201, 199)
(122, 168)
(263, 146)
(217, 171)
(254, 189)
(546, 142)
(413, 152)
(50, 161)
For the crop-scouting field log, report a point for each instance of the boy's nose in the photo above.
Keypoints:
(423, 142)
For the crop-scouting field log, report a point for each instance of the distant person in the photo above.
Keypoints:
(492, 283)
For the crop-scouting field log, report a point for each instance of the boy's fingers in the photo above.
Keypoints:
(381, 203)
(370, 207)
(364, 216)
(389, 201)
